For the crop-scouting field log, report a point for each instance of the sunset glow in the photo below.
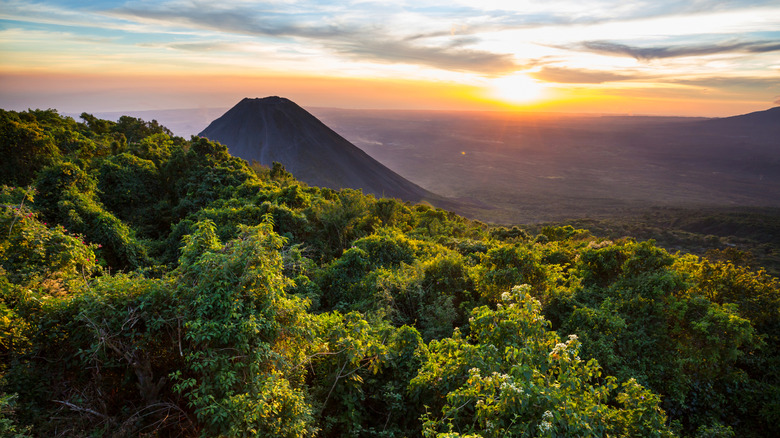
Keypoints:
(517, 89)
(710, 58)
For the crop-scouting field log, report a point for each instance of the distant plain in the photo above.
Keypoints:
(530, 168)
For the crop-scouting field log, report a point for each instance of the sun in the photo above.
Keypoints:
(517, 88)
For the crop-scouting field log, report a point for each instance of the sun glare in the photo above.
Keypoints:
(516, 89)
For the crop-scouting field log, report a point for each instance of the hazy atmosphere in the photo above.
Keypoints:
(700, 58)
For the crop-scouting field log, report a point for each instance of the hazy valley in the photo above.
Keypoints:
(533, 168)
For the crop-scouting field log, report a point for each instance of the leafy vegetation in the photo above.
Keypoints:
(157, 286)
(747, 236)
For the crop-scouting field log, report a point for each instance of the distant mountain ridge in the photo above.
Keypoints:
(276, 129)
(772, 115)
(765, 123)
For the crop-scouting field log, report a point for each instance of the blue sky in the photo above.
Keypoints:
(701, 56)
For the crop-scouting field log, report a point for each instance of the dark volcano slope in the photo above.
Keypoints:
(276, 129)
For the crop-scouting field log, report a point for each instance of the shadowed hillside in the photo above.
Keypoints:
(765, 122)
(276, 129)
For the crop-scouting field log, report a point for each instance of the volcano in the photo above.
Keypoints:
(276, 129)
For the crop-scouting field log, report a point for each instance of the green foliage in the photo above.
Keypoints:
(342, 282)
(755, 293)
(156, 148)
(135, 129)
(434, 296)
(42, 257)
(512, 376)
(632, 316)
(201, 175)
(110, 345)
(342, 221)
(97, 126)
(566, 232)
(755, 296)
(217, 345)
(511, 234)
(506, 265)
(750, 233)
(68, 198)
(391, 212)
(387, 248)
(279, 173)
(8, 427)
(130, 187)
(25, 147)
(246, 336)
(351, 350)
(362, 370)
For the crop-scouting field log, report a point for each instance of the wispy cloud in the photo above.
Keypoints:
(369, 42)
(581, 76)
(533, 13)
(259, 19)
(659, 52)
(446, 58)
(196, 46)
(736, 83)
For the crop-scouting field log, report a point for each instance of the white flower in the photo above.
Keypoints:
(546, 425)
(559, 349)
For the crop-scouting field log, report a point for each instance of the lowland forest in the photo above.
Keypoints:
(156, 286)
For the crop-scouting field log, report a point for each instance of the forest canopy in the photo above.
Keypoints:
(156, 286)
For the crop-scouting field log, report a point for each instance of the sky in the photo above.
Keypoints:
(657, 57)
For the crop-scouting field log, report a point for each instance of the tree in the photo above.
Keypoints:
(245, 336)
(512, 376)
(25, 147)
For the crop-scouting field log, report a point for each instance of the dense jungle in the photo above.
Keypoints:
(156, 286)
